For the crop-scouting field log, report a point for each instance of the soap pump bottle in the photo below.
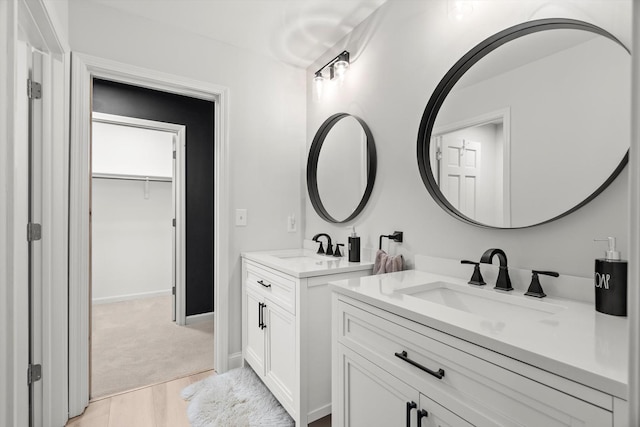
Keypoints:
(611, 281)
(354, 247)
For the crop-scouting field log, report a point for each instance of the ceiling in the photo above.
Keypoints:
(296, 32)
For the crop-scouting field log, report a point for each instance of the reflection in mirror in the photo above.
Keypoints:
(533, 129)
(341, 168)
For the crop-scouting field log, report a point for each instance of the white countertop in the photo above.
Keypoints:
(577, 342)
(305, 262)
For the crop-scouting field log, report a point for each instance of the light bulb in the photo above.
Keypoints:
(340, 68)
(318, 83)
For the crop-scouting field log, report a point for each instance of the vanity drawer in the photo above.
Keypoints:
(278, 289)
(481, 392)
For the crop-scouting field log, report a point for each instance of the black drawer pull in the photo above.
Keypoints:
(421, 414)
(438, 374)
(260, 315)
(266, 285)
(410, 406)
(264, 325)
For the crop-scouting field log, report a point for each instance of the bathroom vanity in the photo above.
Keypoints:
(286, 325)
(417, 348)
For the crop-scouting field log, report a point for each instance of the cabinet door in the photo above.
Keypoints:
(254, 350)
(434, 415)
(370, 397)
(280, 362)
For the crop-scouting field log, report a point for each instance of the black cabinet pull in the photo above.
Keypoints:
(438, 374)
(266, 285)
(260, 315)
(264, 325)
(421, 414)
(410, 406)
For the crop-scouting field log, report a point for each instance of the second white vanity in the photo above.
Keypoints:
(286, 325)
(416, 348)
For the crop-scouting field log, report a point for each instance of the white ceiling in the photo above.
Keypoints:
(296, 32)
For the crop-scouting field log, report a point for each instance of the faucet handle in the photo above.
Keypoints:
(320, 249)
(337, 252)
(535, 289)
(476, 278)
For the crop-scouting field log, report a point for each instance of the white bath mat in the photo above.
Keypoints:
(236, 398)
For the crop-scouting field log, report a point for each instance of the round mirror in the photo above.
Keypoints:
(530, 125)
(341, 168)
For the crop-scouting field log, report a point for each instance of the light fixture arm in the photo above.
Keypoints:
(343, 56)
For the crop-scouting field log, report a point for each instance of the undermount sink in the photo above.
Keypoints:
(483, 302)
(302, 256)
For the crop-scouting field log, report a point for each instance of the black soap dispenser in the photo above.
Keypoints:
(354, 247)
(611, 281)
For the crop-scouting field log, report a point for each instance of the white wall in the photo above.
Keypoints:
(398, 57)
(266, 122)
(131, 239)
(131, 235)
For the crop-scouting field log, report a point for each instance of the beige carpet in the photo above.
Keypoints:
(135, 344)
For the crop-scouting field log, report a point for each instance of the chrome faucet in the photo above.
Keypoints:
(329, 246)
(504, 282)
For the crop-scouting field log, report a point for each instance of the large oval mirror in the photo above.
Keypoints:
(341, 168)
(529, 125)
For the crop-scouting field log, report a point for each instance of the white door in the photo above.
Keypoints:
(434, 415)
(280, 340)
(460, 173)
(174, 276)
(369, 396)
(254, 350)
(30, 73)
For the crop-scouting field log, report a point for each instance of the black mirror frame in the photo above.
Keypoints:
(452, 77)
(312, 168)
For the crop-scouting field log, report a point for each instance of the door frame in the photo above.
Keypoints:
(84, 69)
(504, 115)
(180, 197)
(32, 21)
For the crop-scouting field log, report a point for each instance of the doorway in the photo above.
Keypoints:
(85, 70)
(138, 257)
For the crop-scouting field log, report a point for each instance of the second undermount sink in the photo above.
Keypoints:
(303, 256)
(483, 302)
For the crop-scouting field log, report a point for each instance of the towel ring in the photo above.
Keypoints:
(396, 237)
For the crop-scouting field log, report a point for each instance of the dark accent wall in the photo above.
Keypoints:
(197, 115)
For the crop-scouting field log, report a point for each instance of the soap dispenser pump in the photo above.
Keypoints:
(611, 281)
(354, 247)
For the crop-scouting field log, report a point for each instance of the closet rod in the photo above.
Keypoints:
(132, 177)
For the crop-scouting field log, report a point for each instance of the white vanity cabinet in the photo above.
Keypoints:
(381, 364)
(286, 328)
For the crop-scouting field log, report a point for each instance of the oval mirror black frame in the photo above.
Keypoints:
(312, 167)
(452, 77)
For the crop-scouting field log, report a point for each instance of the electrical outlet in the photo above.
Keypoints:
(241, 217)
(291, 223)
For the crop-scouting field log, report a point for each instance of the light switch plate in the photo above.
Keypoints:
(241, 217)
(291, 223)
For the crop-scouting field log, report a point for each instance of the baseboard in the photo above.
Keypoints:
(197, 318)
(319, 413)
(235, 360)
(141, 295)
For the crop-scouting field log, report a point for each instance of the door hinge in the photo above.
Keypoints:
(173, 290)
(34, 232)
(34, 89)
(173, 222)
(34, 373)
(174, 154)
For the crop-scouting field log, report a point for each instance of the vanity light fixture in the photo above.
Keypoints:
(336, 69)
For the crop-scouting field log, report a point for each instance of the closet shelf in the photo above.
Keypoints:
(132, 177)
